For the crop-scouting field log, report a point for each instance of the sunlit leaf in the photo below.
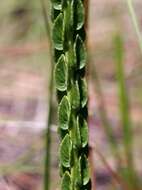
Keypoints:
(85, 169)
(66, 182)
(71, 56)
(83, 132)
(58, 32)
(79, 14)
(75, 96)
(67, 26)
(61, 74)
(78, 176)
(57, 4)
(80, 52)
(64, 113)
(84, 92)
(65, 151)
(77, 134)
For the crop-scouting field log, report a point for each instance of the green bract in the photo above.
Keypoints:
(64, 113)
(75, 96)
(57, 4)
(80, 52)
(66, 182)
(61, 74)
(71, 56)
(79, 14)
(70, 62)
(82, 125)
(67, 24)
(85, 170)
(83, 93)
(58, 32)
(65, 151)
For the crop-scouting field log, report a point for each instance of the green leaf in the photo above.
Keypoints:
(58, 32)
(81, 52)
(66, 182)
(67, 25)
(75, 96)
(57, 4)
(78, 177)
(65, 151)
(64, 113)
(79, 14)
(77, 134)
(84, 93)
(71, 56)
(85, 169)
(61, 74)
(83, 132)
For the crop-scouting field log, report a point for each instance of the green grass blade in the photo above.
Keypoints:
(135, 22)
(47, 166)
(125, 112)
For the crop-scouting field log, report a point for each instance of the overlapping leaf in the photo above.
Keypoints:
(80, 52)
(65, 151)
(61, 74)
(57, 4)
(77, 134)
(79, 14)
(78, 176)
(85, 169)
(84, 93)
(71, 56)
(66, 182)
(67, 25)
(75, 96)
(64, 113)
(83, 132)
(58, 32)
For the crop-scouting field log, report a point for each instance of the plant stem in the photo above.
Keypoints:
(50, 106)
(125, 113)
(135, 22)
(69, 37)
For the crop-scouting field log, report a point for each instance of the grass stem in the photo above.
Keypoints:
(135, 22)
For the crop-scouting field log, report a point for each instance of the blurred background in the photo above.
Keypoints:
(25, 71)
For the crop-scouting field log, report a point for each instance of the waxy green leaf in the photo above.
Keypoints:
(57, 4)
(84, 93)
(61, 74)
(64, 113)
(66, 182)
(75, 96)
(79, 14)
(78, 176)
(83, 132)
(65, 151)
(85, 169)
(58, 32)
(77, 134)
(67, 25)
(71, 56)
(80, 52)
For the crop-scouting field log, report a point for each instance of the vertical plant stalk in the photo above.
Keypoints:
(70, 64)
(125, 113)
(135, 22)
(47, 166)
